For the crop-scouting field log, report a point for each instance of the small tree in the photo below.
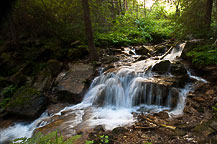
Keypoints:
(89, 31)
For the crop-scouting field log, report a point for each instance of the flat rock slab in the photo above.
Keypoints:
(73, 82)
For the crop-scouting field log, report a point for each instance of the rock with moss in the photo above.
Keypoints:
(26, 103)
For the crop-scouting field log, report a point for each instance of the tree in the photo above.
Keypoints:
(89, 31)
(208, 15)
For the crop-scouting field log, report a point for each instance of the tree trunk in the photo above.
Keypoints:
(89, 33)
(208, 15)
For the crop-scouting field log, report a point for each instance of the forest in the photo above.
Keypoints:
(108, 71)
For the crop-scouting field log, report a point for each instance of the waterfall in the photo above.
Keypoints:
(113, 96)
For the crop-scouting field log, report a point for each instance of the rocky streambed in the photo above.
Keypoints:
(135, 99)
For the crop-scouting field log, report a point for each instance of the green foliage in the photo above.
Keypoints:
(104, 139)
(22, 95)
(129, 30)
(51, 138)
(89, 142)
(204, 55)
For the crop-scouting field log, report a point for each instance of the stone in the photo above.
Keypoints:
(142, 57)
(26, 103)
(141, 50)
(178, 69)
(161, 67)
(72, 84)
(43, 80)
(181, 81)
(174, 97)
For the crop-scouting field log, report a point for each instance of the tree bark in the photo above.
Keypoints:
(209, 6)
(89, 32)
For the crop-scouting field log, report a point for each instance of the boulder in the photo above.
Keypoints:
(26, 103)
(43, 80)
(178, 69)
(161, 67)
(72, 84)
(141, 50)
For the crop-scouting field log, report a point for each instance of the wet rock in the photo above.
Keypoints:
(72, 85)
(178, 69)
(161, 67)
(26, 103)
(141, 50)
(174, 97)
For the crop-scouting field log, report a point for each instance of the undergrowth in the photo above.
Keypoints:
(204, 55)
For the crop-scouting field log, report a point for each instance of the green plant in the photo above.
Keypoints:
(89, 142)
(104, 139)
(204, 55)
(51, 138)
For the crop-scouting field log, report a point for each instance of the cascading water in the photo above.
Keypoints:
(113, 96)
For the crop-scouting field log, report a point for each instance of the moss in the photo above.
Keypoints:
(22, 96)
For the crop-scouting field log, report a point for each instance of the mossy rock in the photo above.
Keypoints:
(26, 103)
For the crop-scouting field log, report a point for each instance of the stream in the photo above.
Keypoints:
(113, 97)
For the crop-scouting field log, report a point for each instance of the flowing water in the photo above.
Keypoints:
(113, 97)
